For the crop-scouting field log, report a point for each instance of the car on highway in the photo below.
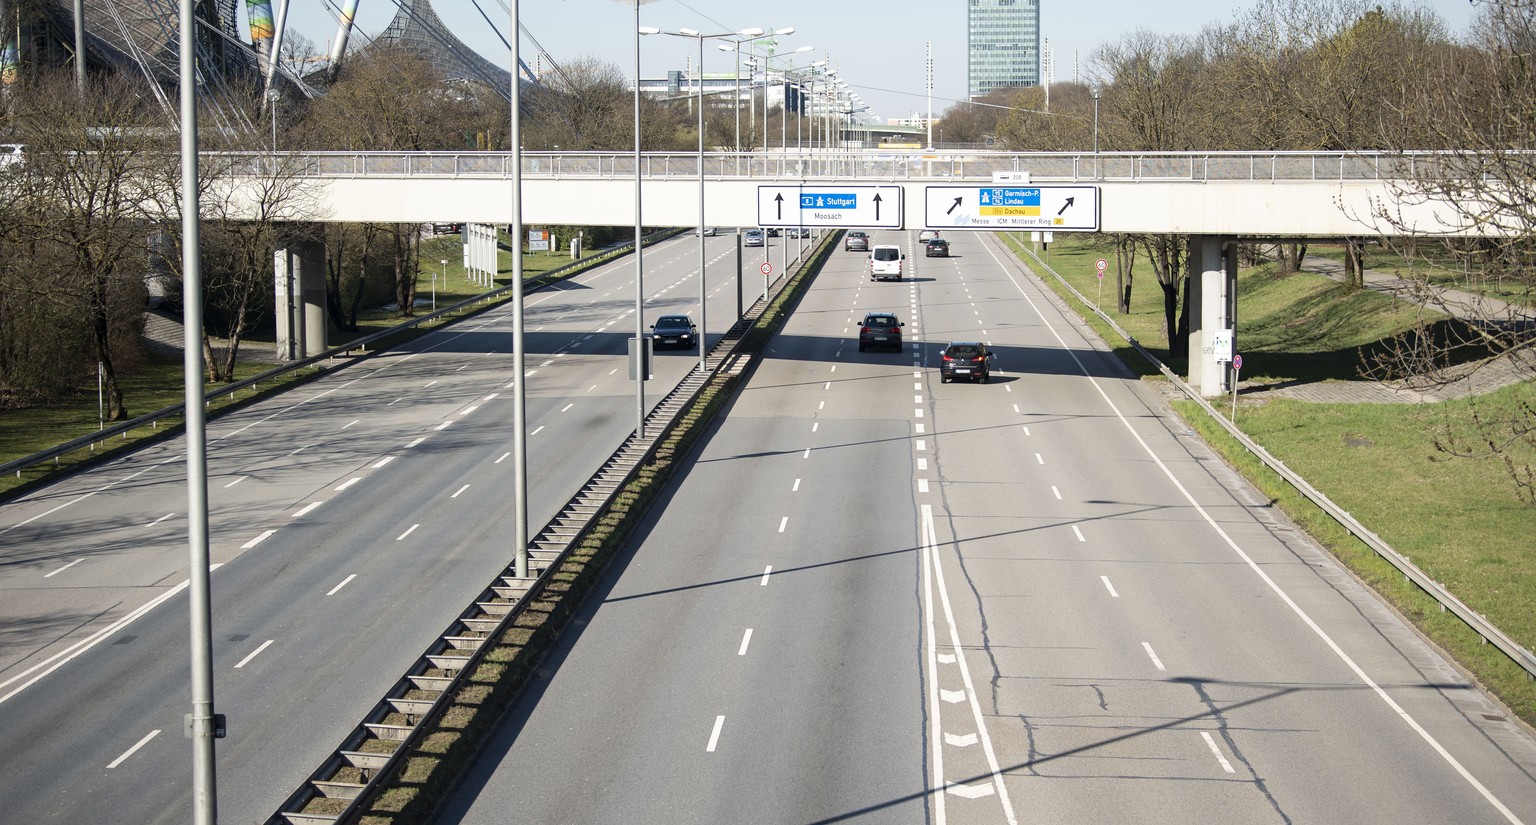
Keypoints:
(798, 232)
(674, 331)
(927, 234)
(885, 262)
(966, 359)
(708, 231)
(857, 240)
(773, 231)
(753, 237)
(936, 248)
(880, 329)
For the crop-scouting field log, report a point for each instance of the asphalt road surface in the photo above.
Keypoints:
(351, 520)
(877, 597)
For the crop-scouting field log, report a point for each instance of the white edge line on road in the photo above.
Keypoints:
(1225, 765)
(131, 751)
(62, 569)
(930, 539)
(344, 582)
(1109, 587)
(714, 735)
(61, 658)
(1264, 577)
(254, 654)
(746, 639)
(936, 782)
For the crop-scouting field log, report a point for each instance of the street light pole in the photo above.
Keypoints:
(1095, 131)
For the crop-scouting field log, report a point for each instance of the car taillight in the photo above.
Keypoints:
(863, 329)
(947, 358)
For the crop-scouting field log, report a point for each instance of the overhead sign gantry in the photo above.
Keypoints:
(876, 207)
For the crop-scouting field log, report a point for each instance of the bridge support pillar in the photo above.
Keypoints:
(1212, 313)
(299, 267)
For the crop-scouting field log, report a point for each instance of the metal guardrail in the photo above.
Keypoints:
(153, 418)
(869, 164)
(461, 647)
(1448, 601)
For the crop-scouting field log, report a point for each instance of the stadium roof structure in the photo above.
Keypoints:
(417, 29)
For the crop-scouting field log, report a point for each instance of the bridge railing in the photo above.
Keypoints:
(867, 165)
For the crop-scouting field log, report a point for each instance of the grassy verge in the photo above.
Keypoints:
(1459, 520)
(449, 747)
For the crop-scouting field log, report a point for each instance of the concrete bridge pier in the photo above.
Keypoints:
(1212, 313)
(299, 267)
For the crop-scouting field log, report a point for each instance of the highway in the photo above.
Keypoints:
(877, 597)
(351, 519)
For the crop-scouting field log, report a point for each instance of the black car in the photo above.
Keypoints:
(937, 248)
(857, 240)
(773, 232)
(965, 359)
(674, 331)
(879, 329)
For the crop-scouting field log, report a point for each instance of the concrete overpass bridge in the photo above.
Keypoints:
(1213, 197)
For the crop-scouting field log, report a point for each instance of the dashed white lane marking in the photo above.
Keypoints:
(162, 518)
(1225, 765)
(414, 443)
(922, 464)
(567, 407)
(827, 386)
(746, 639)
(492, 396)
(1016, 409)
(1078, 533)
(1153, 657)
(381, 462)
(1056, 492)
(344, 582)
(468, 410)
(236, 481)
(348, 483)
(783, 522)
(305, 510)
(537, 429)
(430, 383)
(300, 450)
(821, 406)
(815, 426)
(504, 457)
(350, 423)
(917, 428)
(62, 569)
(1109, 587)
(922, 485)
(402, 536)
(917, 413)
(258, 540)
(1026, 427)
(834, 368)
(922, 445)
(767, 571)
(396, 401)
(807, 453)
(257, 652)
(796, 488)
(130, 752)
(1039, 459)
(460, 490)
(917, 399)
(443, 426)
(714, 735)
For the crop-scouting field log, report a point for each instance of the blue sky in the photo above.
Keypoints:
(879, 47)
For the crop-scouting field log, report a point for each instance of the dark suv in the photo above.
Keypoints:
(674, 331)
(879, 330)
(936, 248)
(965, 359)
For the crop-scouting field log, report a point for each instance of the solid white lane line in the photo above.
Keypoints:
(304, 511)
(1078, 533)
(254, 653)
(1153, 657)
(460, 490)
(414, 443)
(714, 735)
(236, 481)
(1109, 587)
(1225, 765)
(746, 639)
(1306, 619)
(407, 532)
(344, 582)
(796, 488)
(258, 540)
(503, 458)
(933, 579)
(783, 522)
(1056, 492)
(348, 483)
(350, 423)
(766, 572)
(381, 462)
(141, 743)
(62, 569)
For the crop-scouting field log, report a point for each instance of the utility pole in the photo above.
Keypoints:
(79, 46)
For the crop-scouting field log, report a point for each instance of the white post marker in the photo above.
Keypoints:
(1237, 366)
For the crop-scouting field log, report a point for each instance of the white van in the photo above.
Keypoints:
(885, 262)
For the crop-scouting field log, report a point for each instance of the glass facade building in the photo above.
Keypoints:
(1003, 49)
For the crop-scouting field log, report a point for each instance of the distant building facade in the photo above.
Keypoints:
(1003, 46)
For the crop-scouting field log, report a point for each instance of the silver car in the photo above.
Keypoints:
(753, 237)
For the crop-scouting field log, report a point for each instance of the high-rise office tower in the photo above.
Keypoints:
(1003, 49)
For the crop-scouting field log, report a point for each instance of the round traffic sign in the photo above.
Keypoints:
(1101, 264)
(1237, 363)
(766, 268)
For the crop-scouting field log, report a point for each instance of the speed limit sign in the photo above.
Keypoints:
(766, 268)
(1101, 264)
